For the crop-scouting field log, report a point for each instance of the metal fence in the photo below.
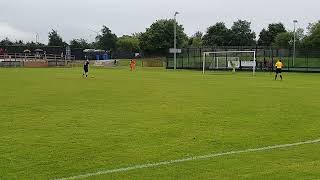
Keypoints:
(76, 52)
(34, 60)
(306, 60)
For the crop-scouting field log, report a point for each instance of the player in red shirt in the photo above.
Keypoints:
(133, 64)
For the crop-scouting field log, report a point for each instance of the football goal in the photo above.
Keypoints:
(227, 60)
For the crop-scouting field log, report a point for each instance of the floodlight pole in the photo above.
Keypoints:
(254, 63)
(294, 41)
(203, 62)
(37, 37)
(175, 41)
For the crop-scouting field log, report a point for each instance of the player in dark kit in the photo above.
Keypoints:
(86, 69)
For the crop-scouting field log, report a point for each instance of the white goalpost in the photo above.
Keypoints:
(229, 60)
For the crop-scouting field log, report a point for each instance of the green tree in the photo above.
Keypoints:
(34, 44)
(107, 40)
(267, 36)
(128, 43)
(241, 34)
(6, 42)
(160, 35)
(79, 43)
(312, 40)
(196, 40)
(285, 39)
(300, 34)
(19, 43)
(55, 39)
(217, 35)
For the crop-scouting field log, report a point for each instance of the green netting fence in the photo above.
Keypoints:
(305, 60)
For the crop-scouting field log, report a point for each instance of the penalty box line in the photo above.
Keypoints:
(149, 165)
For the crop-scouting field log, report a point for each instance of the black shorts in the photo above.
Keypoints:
(278, 71)
(86, 70)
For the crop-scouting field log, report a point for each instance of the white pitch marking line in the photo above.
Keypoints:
(189, 159)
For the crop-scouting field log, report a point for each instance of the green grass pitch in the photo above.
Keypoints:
(55, 124)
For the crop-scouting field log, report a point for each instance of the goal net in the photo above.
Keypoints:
(229, 60)
(224, 62)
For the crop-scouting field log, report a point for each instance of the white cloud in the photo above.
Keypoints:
(7, 31)
(73, 18)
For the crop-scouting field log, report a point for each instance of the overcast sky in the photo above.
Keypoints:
(22, 19)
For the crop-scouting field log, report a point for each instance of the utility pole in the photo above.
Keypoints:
(175, 40)
(294, 41)
(37, 38)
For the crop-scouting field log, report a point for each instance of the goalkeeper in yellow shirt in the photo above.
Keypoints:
(279, 65)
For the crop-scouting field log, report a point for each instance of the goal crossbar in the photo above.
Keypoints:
(226, 52)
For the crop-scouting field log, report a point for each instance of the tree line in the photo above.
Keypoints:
(159, 36)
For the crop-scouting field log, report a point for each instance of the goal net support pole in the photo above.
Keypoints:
(226, 52)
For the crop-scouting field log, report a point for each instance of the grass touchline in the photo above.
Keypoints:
(190, 159)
